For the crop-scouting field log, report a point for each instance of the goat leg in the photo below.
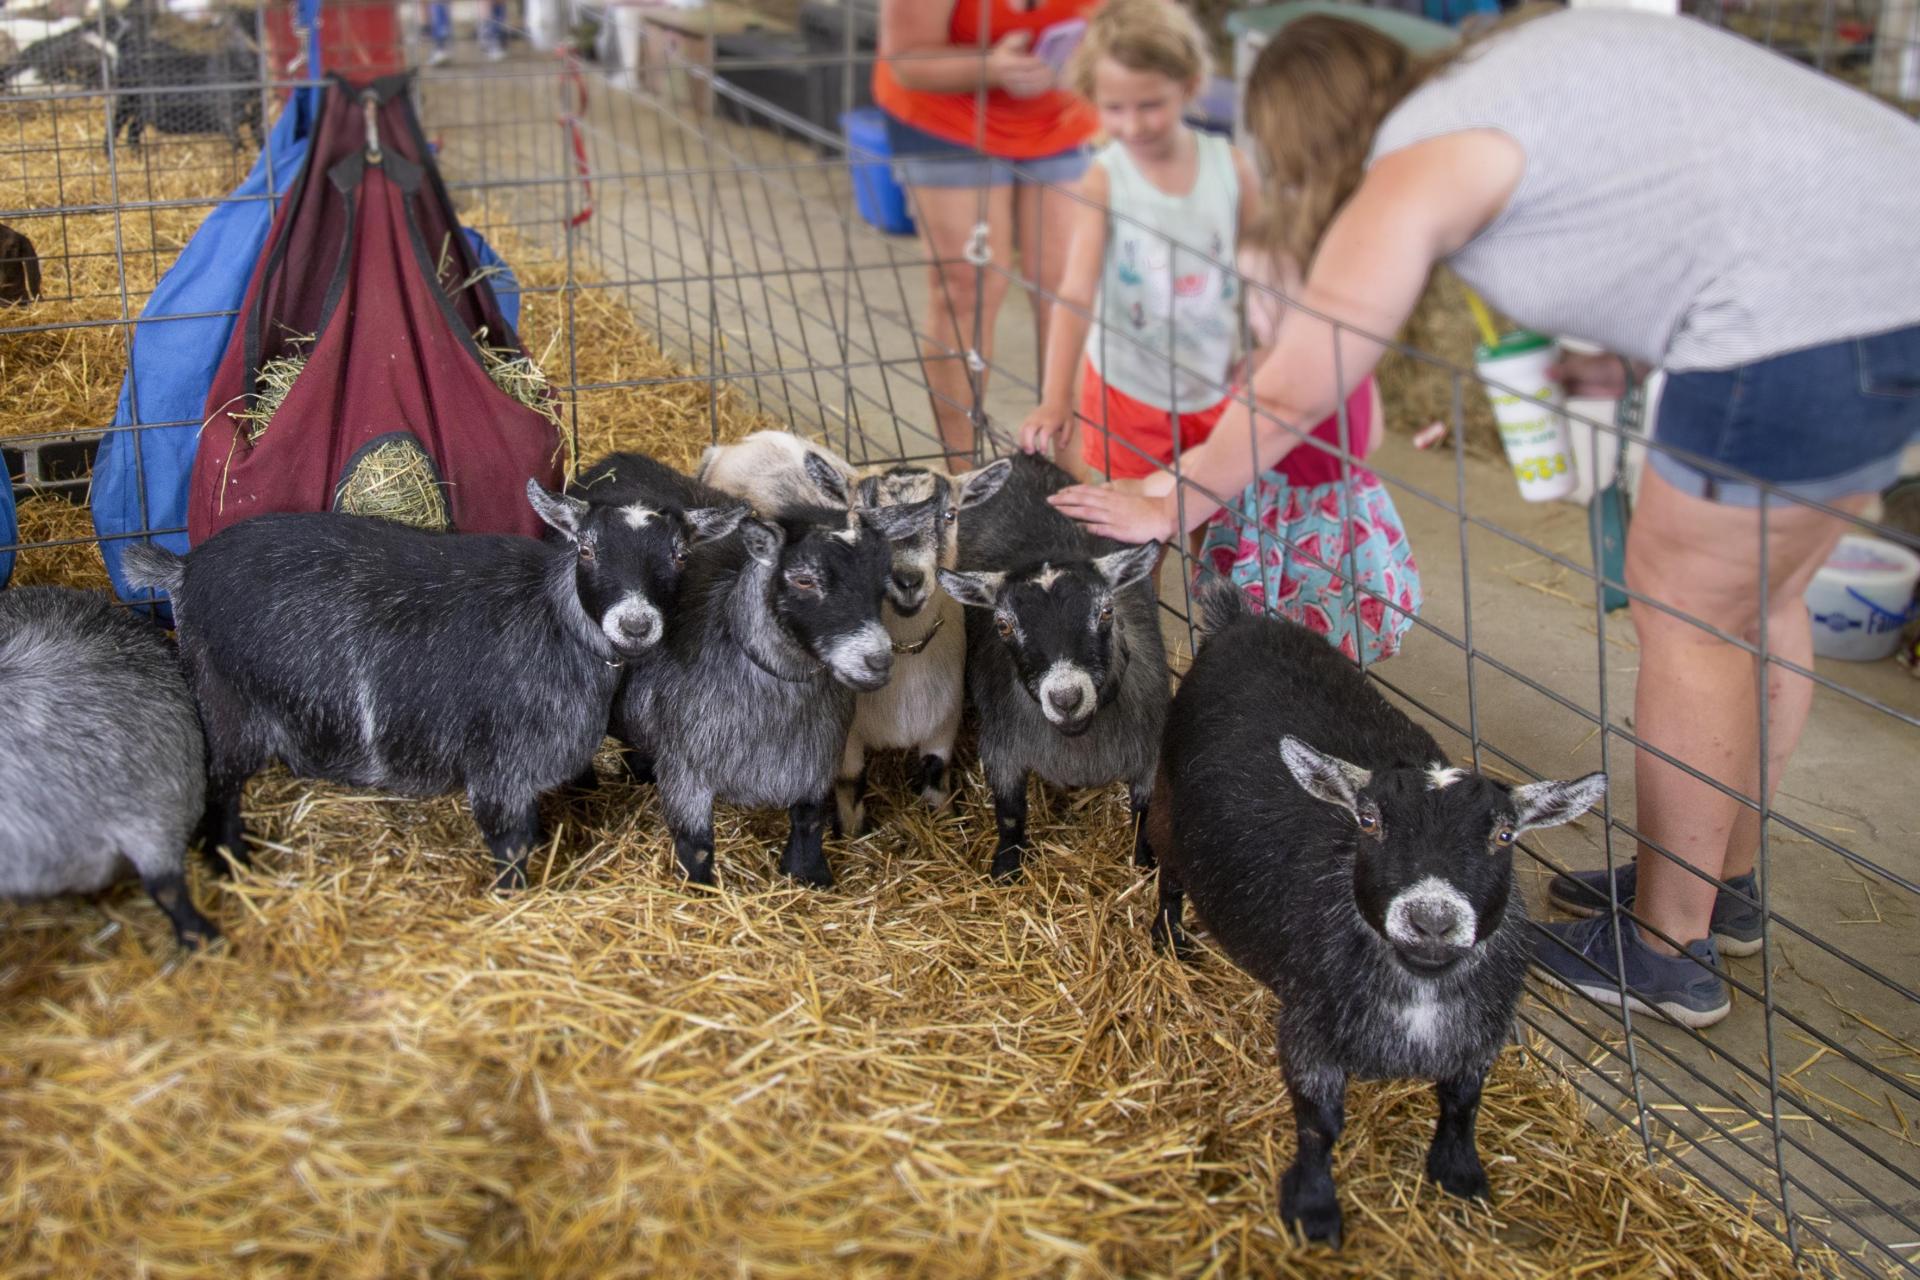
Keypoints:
(511, 827)
(1010, 818)
(806, 856)
(1307, 1197)
(1452, 1161)
(1140, 798)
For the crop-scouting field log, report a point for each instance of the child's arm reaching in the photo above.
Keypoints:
(1051, 424)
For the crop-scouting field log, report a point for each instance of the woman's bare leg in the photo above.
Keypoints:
(963, 301)
(1695, 698)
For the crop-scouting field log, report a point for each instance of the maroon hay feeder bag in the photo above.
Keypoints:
(366, 255)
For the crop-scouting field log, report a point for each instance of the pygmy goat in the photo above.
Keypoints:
(376, 655)
(777, 471)
(919, 709)
(777, 626)
(102, 766)
(1065, 663)
(1337, 857)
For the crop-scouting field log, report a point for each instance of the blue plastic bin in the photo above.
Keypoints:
(881, 200)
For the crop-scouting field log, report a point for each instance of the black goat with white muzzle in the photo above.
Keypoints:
(777, 628)
(1065, 663)
(1338, 858)
(376, 655)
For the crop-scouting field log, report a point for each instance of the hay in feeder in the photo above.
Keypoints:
(275, 379)
(389, 1071)
(394, 480)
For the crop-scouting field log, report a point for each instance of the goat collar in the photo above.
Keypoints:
(920, 645)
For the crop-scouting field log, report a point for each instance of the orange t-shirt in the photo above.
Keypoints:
(1016, 128)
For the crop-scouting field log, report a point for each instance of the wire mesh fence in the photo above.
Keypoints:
(700, 177)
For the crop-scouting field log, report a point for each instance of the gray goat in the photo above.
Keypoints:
(920, 708)
(750, 699)
(1065, 663)
(102, 765)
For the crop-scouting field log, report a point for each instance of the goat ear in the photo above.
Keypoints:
(977, 589)
(561, 512)
(975, 487)
(763, 541)
(1548, 804)
(827, 478)
(1124, 568)
(709, 523)
(903, 521)
(1322, 776)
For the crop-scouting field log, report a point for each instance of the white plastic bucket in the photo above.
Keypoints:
(1861, 598)
(1537, 441)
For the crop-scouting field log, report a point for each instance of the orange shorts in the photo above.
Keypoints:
(1124, 438)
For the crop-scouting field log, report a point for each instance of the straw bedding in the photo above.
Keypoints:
(389, 1071)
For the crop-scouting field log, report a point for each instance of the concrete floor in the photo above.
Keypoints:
(743, 252)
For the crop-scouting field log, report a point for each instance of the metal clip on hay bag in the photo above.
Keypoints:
(355, 379)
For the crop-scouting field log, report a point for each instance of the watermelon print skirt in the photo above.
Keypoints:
(1287, 546)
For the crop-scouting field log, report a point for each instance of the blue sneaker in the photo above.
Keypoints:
(1736, 919)
(1579, 956)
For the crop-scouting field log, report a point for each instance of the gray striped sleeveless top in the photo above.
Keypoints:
(1691, 199)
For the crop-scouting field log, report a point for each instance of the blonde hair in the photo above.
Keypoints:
(1315, 100)
(1140, 35)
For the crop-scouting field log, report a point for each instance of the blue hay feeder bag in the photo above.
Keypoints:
(9, 529)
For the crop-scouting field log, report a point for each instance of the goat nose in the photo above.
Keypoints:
(1066, 699)
(879, 663)
(909, 579)
(1432, 921)
(638, 628)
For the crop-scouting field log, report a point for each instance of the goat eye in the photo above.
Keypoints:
(803, 582)
(1106, 612)
(680, 556)
(949, 515)
(586, 551)
(1505, 836)
(1005, 626)
(1369, 822)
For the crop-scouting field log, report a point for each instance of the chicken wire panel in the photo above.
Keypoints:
(740, 245)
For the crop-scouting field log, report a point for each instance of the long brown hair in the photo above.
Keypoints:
(1315, 100)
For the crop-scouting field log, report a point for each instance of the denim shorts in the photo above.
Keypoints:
(921, 159)
(1820, 423)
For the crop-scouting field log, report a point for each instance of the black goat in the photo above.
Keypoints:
(1065, 664)
(377, 655)
(1339, 859)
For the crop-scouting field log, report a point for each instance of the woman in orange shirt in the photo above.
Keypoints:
(956, 161)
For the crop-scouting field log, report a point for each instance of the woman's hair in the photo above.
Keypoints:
(1140, 35)
(1315, 99)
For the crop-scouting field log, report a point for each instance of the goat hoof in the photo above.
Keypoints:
(1318, 1221)
(1175, 939)
(511, 878)
(812, 877)
(1458, 1172)
(1006, 866)
(701, 875)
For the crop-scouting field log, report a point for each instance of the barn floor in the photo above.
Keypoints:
(388, 1072)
